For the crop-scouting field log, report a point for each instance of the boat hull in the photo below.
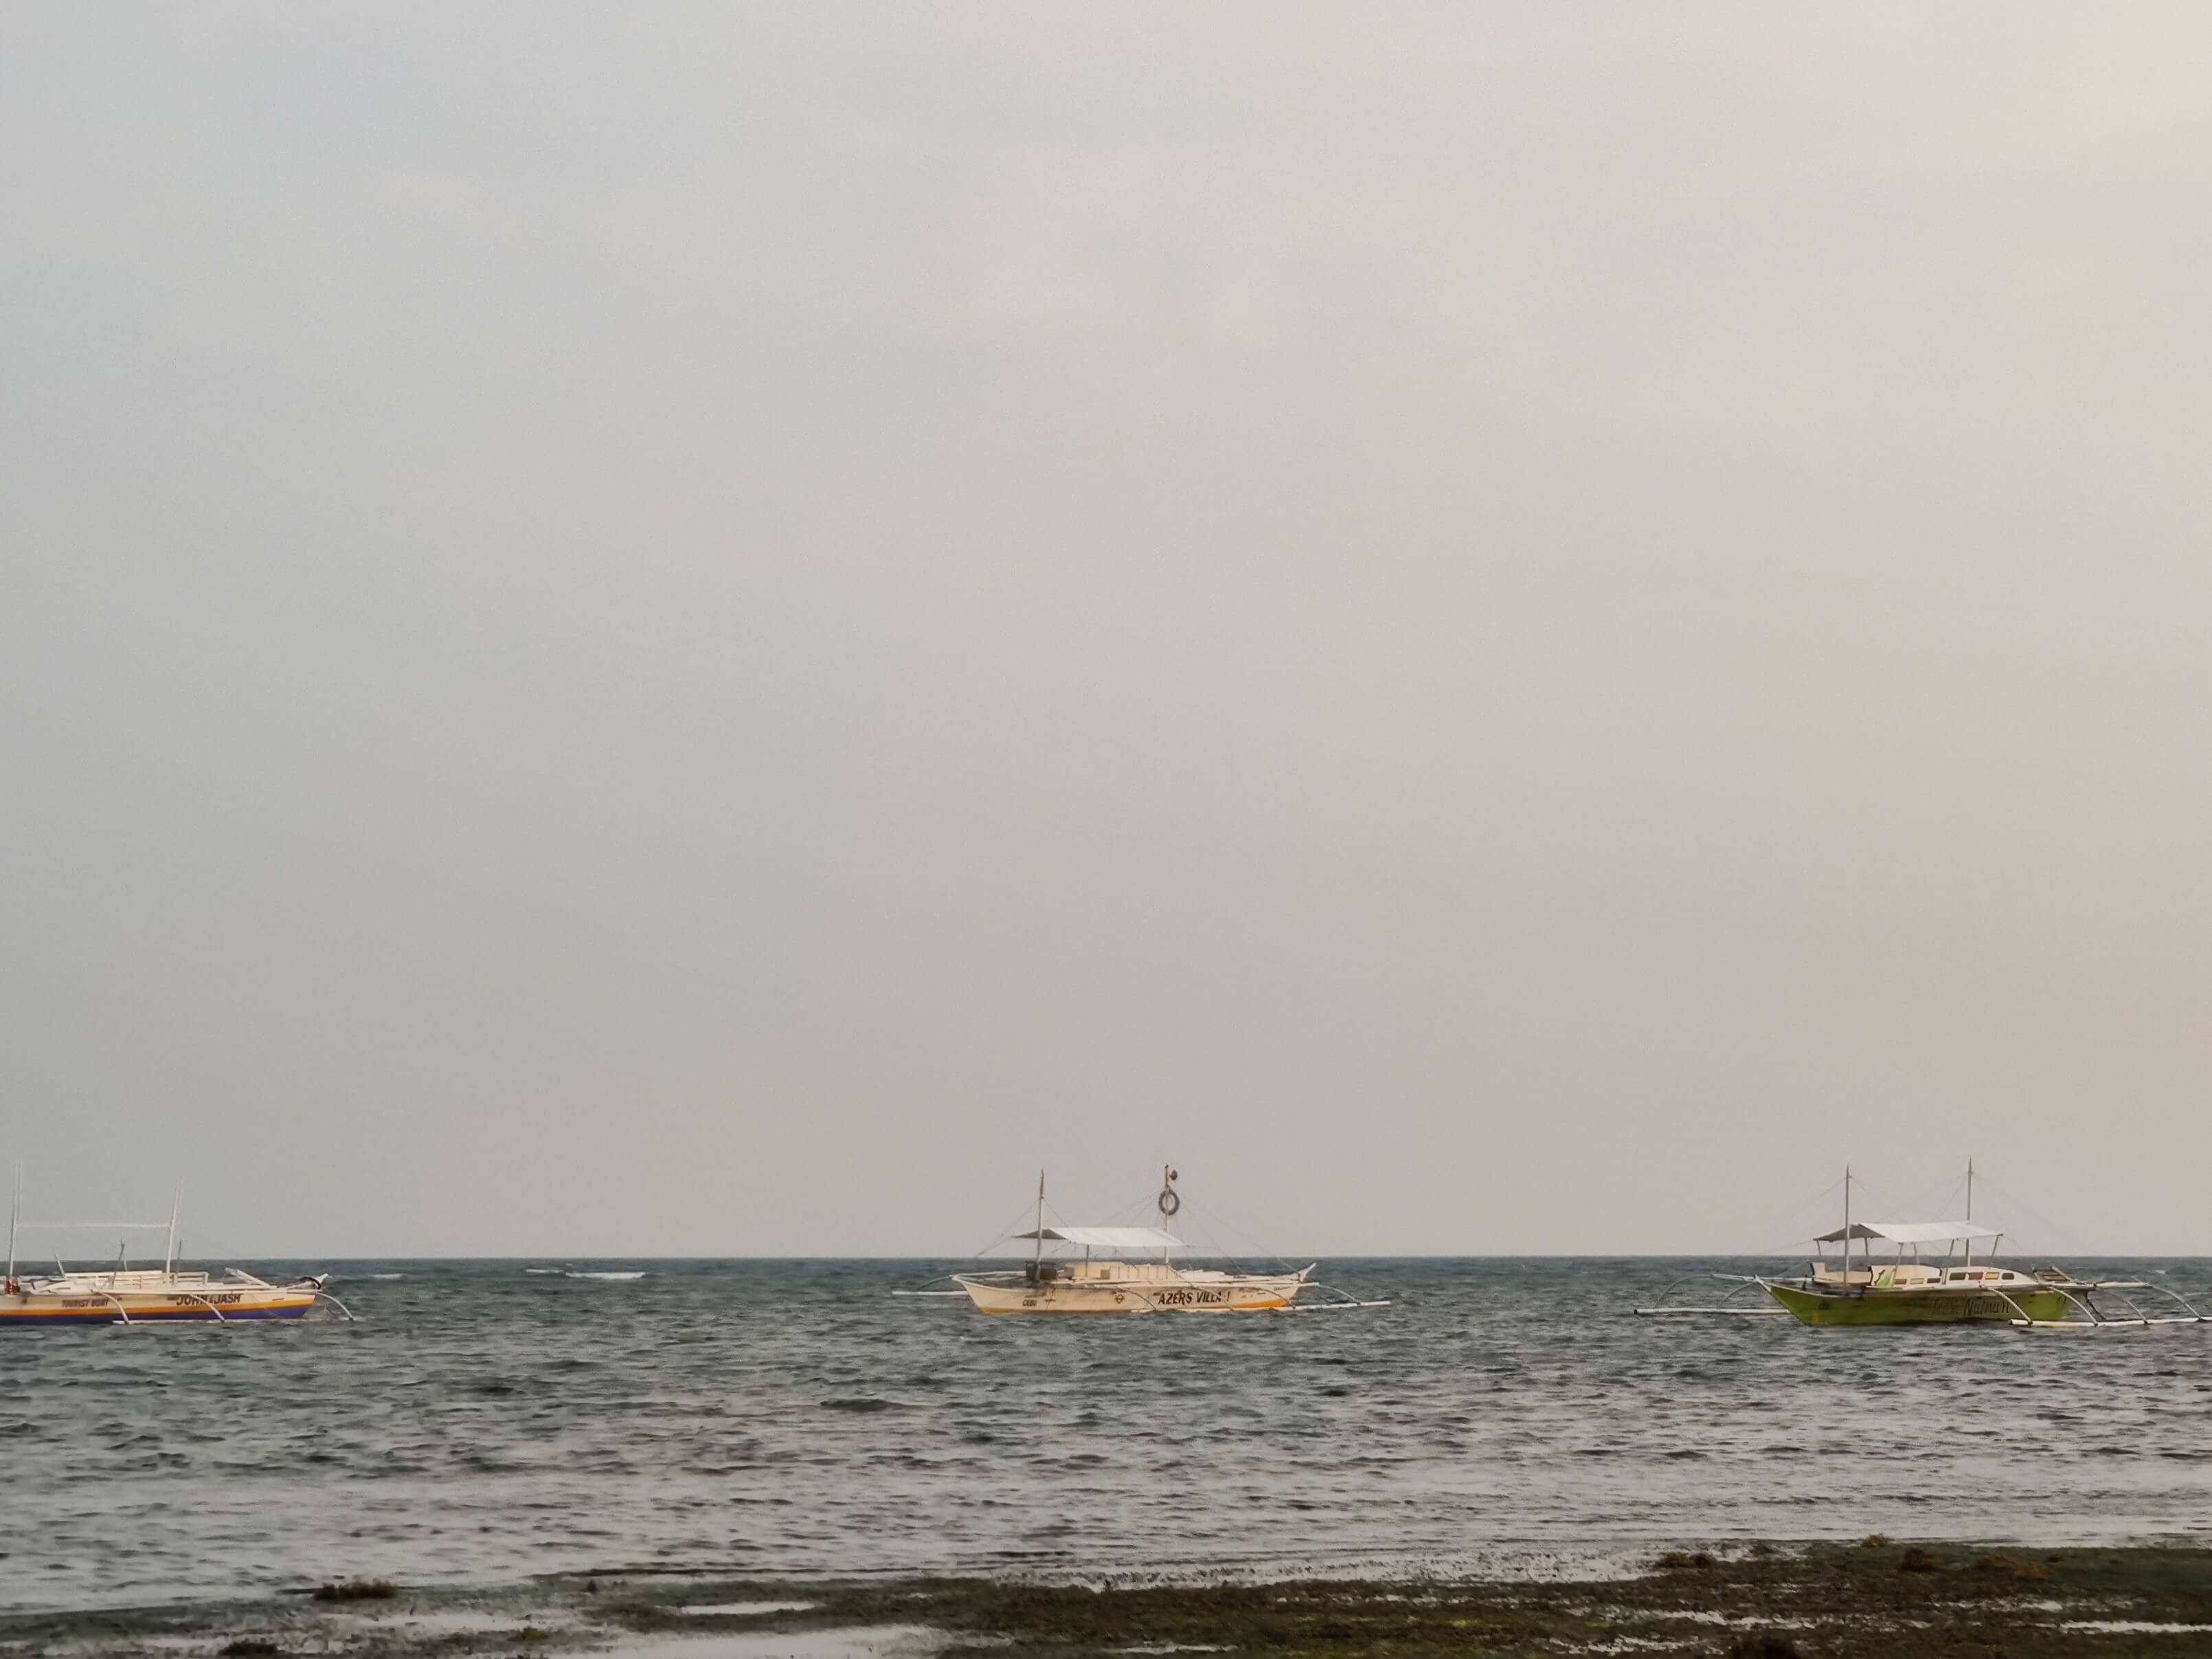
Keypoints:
(1239, 1295)
(34, 1310)
(1942, 1306)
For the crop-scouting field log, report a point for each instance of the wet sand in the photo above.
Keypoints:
(1886, 1601)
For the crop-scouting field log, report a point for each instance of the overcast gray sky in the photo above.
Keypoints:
(715, 629)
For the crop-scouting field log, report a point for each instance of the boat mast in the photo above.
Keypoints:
(169, 1254)
(1039, 1255)
(1847, 1227)
(1969, 1210)
(14, 1211)
(1168, 1203)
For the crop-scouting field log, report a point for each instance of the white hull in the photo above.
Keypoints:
(1129, 1287)
(144, 1297)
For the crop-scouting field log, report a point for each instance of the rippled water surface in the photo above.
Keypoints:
(484, 1423)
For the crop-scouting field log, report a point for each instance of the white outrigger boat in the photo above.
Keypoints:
(123, 1295)
(1956, 1290)
(1121, 1282)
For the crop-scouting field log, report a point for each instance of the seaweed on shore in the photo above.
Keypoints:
(1874, 1601)
(357, 1589)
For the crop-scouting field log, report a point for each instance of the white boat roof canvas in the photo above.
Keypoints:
(1109, 1238)
(1912, 1232)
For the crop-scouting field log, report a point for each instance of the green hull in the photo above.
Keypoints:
(1946, 1306)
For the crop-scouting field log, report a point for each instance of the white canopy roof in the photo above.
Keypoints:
(1914, 1232)
(1109, 1238)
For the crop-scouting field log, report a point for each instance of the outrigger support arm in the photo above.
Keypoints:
(2182, 1301)
(1740, 1280)
(321, 1295)
(1345, 1302)
(2097, 1322)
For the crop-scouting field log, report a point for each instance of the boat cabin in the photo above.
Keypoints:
(1090, 1267)
(1861, 1266)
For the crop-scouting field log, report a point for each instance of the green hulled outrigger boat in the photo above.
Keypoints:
(1914, 1292)
(1907, 1289)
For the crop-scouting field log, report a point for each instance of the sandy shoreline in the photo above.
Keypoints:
(1874, 1601)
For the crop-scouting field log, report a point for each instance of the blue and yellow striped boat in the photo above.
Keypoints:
(151, 1296)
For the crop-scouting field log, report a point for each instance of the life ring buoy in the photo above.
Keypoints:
(1171, 1201)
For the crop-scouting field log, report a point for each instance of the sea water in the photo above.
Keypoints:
(484, 1422)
